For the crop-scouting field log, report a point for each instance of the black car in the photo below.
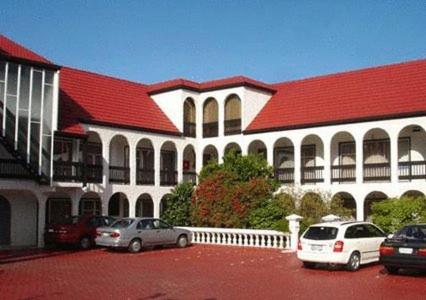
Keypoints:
(405, 249)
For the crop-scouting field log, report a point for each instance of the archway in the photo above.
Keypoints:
(168, 164)
(145, 173)
(232, 115)
(343, 158)
(412, 153)
(189, 164)
(145, 206)
(413, 194)
(343, 204)
(258, 147)
(376, 155)
(118, 206)
(94, 158)
(210, 154)
(189, 123)
(163, 204)
(210, 118)
(119, 171)
(90, 204)
(284, 160)
(5, 221)
(232, 146)
(312, 159)
(369, 200)
(58, 208)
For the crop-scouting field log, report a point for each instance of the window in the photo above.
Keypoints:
(347, 153)
(158, 224)
(144, 225)
(321, 233)
(308, 155)
(284, 157)
(63, 149)
(412, 232)
(373, 231)
(123, 223)
(376, 151)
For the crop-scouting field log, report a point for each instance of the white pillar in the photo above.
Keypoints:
(41, 219)
(106, 162)
(199, 119)
(179, 155)
(157, 208)
(327, 160)
(394, 158)
(297, 163)
(221, 117)
(359, 153)
(132, 163)
(132, 208)
(75, 202)
(359, 209)
(270, 154)
(157, 165)
(294, 226)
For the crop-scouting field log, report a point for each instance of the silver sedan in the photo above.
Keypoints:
(135, 233)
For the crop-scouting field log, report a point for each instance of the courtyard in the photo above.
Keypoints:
(197, 272)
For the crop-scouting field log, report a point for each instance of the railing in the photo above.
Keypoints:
(145, 176)
(67, 171)
(12, 168)
(312, 174)
(119, 175)
(377, 172)
(240, 237)
(189, 129)
(412, 170)
(94, 173)
(210, 129)
(232, 126)
(284, 175)
(168, 177)
(190, 177)
(343, 173)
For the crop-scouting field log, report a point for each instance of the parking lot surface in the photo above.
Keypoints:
(197, 272)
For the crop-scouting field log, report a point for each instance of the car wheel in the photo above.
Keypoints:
(182, 241)
(135, 246)
(308, 265)
(354, 262)
(85, 243)
(392, 270)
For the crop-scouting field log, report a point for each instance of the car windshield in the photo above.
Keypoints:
(415, 232)
(123, 223)
(321, 233)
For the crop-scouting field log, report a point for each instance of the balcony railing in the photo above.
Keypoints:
(168, 178)
(189, 176)
(284, 175)
(189, 129)
(412, 170)
(119, 174)
(343, 173)
(10, 168)
(94, 173)
(377, 172)
(210, 129)
(67, 171)
(312, 174)
(145, 176)
(232, 126)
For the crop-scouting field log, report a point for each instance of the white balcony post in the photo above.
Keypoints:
(41, 220)
(270, 155)
(221, 117)
(132, 164)
(327, 158)
(294, 226)
(179, 165)
(394, 157)
(157, 165)
(106, 161)
(359, 158)
(297, 163)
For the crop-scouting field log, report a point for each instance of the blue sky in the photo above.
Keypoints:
(151, 41)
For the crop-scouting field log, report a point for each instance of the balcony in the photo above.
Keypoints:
(312, 174)
(94, 173)
(343, 173)
(67, 171)
(412, 170)
(10, 168)
(145, 176)
(377, 172)
(168, 178)
(189, 176)
(210, 129)
(284, 175)
(232, 126)
(119, 175)
(189, 129)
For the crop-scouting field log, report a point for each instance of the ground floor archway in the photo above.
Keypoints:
(145, 206)
(5, 221)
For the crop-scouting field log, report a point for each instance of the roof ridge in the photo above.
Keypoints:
(25, 48)
(340, 73)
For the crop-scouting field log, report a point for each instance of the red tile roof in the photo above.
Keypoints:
(87, 97)
(209, 85)
(367, 94)
(12, 49)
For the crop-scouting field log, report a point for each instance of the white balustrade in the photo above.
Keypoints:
(240, 237)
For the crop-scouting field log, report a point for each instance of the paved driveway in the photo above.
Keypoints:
(198, 272)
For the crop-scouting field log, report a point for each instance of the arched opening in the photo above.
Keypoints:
(145, 206)
(58, 208)
(118, 206)
(376, 154)
(343, 158)
(412, 153)
(232, 147)
(189, 174)
(210, 155)
(145, 173)
(284, 160)
(119, 171)
(312, 159)
(343, 205)
(189, 123)
(258, 147)
(90, 204)
(413, 194)
(168, 164)
(210, 118)
(368, 202)
(5, 221)
(163, 204)
(232, 115)
(94, 158)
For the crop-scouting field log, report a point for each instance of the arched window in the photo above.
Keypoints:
(189, 123)
(210, 118)
(232, 115)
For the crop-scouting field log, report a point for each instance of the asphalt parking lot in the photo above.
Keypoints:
(197, 272)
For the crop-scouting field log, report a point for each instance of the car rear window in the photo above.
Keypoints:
(321, 233)
(123, 223)
(412, 232)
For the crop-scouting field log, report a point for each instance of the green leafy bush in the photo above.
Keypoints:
(392, 214)
(177, 206)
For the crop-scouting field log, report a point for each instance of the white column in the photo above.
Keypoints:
(106, 162)
(221, 114)
(132, 208)
(297, 162)
(179, 155)
(327, 159)
(270, 154)
(394, 157)
(359, 209)
(132, 163)
(41, 220)
(294, 226)
(157, 164)
(157, 208)
(198, 159)
(199, 118)
(75, 202)
(359, 153)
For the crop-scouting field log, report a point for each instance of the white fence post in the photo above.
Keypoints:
(294, 226)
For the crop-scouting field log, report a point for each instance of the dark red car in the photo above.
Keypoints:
(78, 230)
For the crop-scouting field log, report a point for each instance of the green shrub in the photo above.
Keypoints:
(271, 215)
(392, 214)
(177, 206)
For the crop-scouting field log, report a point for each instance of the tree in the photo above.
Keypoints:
(177, 206)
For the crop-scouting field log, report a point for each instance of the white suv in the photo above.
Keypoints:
(348, 243)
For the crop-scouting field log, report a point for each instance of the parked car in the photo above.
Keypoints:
(405, 249)
(344, 243)
(134, 233)
(77, 230)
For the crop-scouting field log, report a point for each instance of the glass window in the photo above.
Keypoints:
(2, 70)
(417, 232)
(308, 155)
(123, 223)
(373, 231)
(347, 153)
(158, 224)
(321, 233)
(284, 157)
(36, 96)
(12, 79)
(145, 225)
